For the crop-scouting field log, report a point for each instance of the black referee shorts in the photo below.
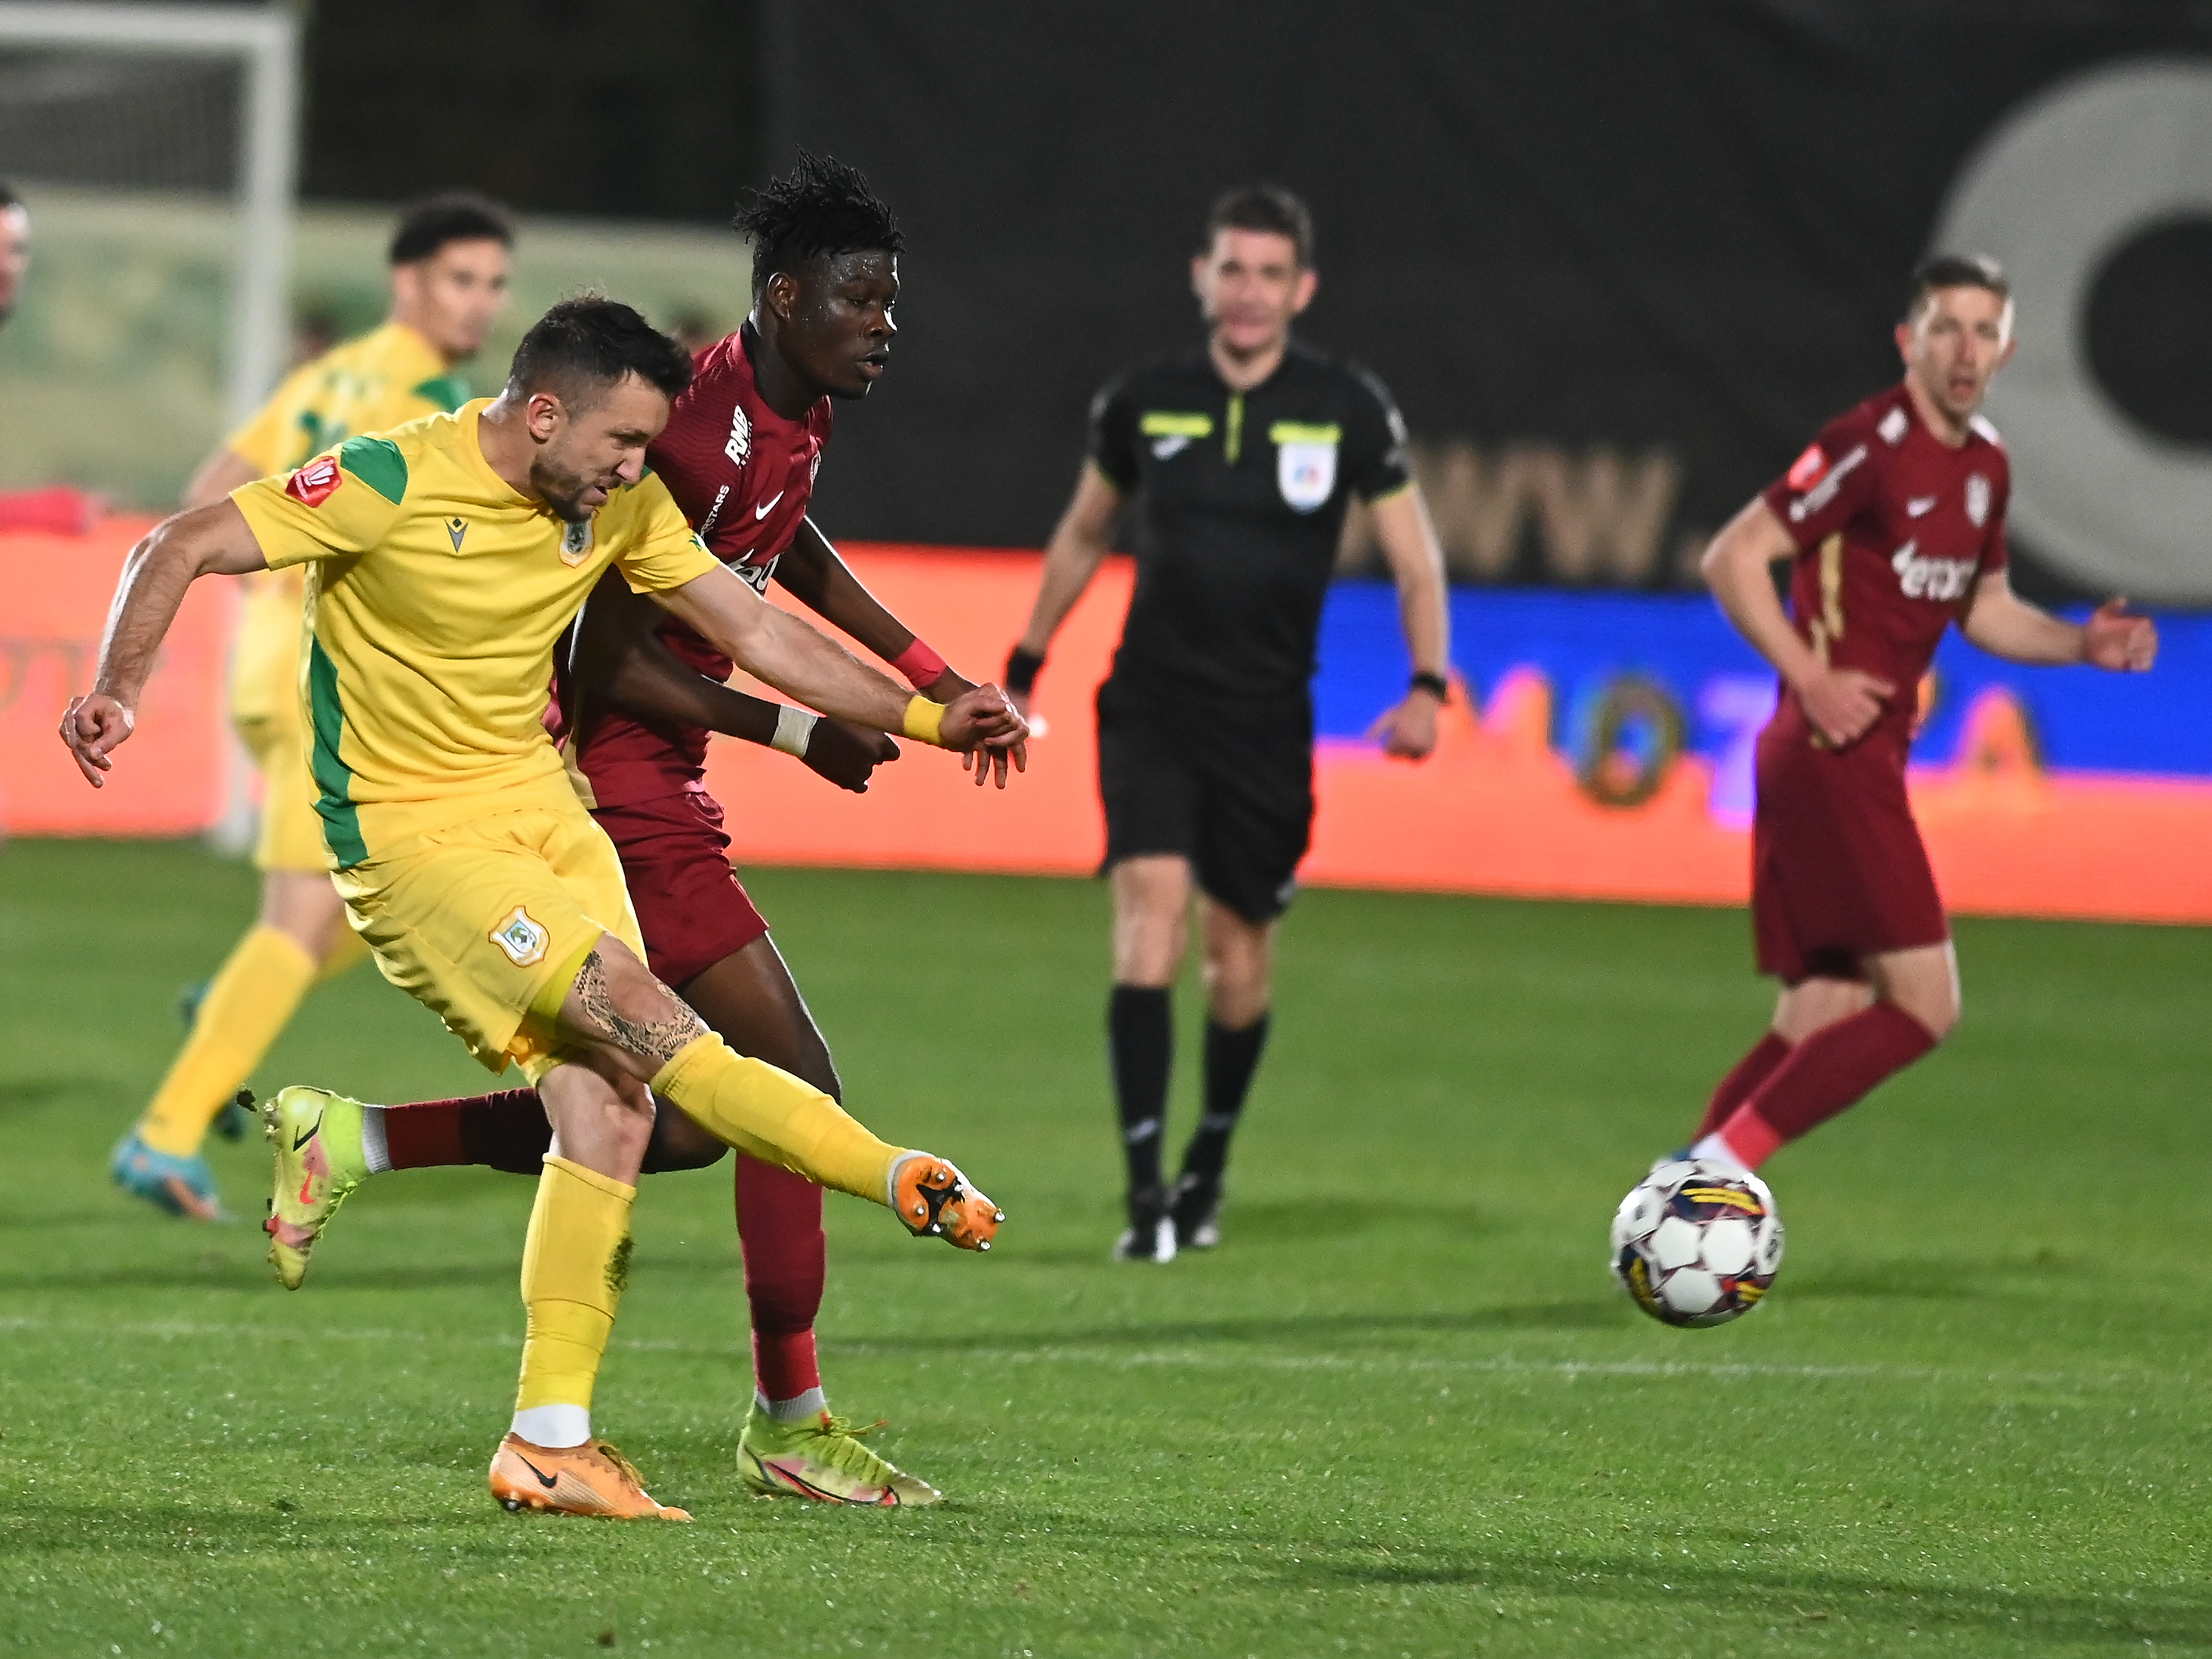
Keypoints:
(1227, 785)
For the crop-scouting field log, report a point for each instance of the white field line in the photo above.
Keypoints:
(1223, 1358)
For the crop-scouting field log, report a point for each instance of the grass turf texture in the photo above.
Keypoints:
(1403, 1410)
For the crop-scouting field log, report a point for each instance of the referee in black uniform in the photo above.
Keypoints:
(1243, 459)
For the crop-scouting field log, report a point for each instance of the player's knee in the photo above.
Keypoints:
(1236, 988)
(1938, 1013)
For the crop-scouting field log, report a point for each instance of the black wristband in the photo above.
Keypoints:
(1435, 685)
(1022, 668)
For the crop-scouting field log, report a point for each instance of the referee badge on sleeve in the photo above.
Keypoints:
(1306, 462)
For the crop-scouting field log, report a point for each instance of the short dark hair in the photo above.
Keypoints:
(821, 207)
(586, 343)
(8, 198)
(457, 216)
(1954, 271)
(1264, 207)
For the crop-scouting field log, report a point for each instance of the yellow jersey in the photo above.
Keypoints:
(436, 596)
(384, 378)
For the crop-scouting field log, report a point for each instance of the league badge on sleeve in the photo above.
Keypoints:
(1806, 468)
(315, 482)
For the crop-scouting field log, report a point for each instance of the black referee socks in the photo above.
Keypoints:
(1231, 1058)
(1141, 1039)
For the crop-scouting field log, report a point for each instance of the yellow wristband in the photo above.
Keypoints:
(925, 721)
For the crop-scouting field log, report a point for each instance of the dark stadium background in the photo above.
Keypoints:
(1671, 233)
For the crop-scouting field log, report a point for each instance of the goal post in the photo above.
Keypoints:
(264, 43)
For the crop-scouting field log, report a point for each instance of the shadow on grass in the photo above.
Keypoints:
(2162, 1614)
(1351, 1327)
(2176, 1614)
(40, 1091)
(1985, 1280)
(245, 1269)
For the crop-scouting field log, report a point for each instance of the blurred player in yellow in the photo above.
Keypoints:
(449, 270)
(448, 557)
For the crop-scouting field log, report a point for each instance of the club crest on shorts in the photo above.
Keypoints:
(576, 543)
(1306, 473)
(521, 937)
(1978, 499)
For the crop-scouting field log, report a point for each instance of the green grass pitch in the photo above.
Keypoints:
(1402, 1411)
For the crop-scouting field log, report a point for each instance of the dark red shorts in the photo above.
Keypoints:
(1838, 872)
(690, 906)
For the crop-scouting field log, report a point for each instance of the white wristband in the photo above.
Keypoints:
(793, 728)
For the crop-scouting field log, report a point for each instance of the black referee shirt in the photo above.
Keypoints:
(1241, 498)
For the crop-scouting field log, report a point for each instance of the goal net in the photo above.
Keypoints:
(155, 148)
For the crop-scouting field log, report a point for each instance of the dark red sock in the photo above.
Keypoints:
(506, 1130)
(1835, 1066)
(1738, 1086)
(787, 1265)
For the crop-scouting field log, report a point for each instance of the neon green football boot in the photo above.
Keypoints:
(316, 1138)
(822, 1458)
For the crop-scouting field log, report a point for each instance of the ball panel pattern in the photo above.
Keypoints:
(1696, 1243)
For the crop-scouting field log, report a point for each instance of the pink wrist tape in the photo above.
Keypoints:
(921, 666)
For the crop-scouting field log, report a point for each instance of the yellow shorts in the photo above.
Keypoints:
(475, 922)
(291, 830)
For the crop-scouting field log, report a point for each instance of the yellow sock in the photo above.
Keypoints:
(246, 1008)
(346, 949)
(772, 1116)
(574, 1266)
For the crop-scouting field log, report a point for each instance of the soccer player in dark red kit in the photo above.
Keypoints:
(639, 697)
(1895, 522)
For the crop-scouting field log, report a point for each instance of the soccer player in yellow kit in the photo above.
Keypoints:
(447, 558)
(449, 270)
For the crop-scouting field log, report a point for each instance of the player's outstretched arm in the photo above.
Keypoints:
(1409, 545)
(1079, 542)
(209, 541)
(617, 661)
(816, 574)
(803, 663)
(1841, 703)
(2003, 624)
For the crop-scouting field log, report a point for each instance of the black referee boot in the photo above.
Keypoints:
(1195, 1210)
(1151, 1235)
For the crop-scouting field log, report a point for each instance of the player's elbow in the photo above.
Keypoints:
(177, 547)
(1716, 564)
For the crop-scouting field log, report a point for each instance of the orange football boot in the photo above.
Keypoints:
(934, 1200)
(593, 1478)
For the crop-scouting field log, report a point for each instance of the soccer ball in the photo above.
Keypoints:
(1695, 1243)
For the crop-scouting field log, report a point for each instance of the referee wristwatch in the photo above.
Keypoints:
(1435, 685)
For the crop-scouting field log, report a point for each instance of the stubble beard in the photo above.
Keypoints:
(561, 491)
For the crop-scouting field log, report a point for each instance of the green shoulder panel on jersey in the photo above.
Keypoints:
(377, 463)
(333, 777)
(448, 391)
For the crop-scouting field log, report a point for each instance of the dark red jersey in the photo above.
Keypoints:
(743, 476)
(1894, 527)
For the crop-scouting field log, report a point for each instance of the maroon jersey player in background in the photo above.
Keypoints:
(635, 707)
(1894, 519)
